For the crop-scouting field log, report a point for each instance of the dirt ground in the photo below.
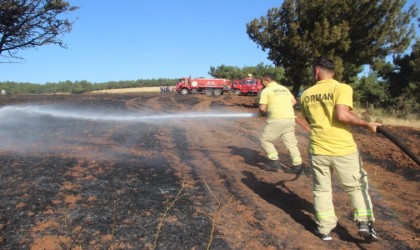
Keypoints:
(182, 183)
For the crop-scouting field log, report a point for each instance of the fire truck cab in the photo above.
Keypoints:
(247, 86)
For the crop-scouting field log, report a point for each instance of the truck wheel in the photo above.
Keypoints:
(208, 92)
(237, 92)
(184, 91)
(217, 92)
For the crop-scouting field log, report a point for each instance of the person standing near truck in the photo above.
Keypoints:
(276, 102)
(327, 106)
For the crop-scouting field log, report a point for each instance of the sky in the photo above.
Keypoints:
(145, 39)
(132, 39)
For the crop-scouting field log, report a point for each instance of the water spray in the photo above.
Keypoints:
(122, 117)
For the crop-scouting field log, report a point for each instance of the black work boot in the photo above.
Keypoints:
(272, 165)
(366, 230)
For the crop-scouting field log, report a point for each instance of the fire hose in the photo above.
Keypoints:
(303, 124)
(383, 131)
(396, 141)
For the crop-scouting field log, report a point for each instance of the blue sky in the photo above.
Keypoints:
(141, 39)
(132, 39)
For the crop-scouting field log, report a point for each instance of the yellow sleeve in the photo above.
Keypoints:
(344, 95)
(263, 98)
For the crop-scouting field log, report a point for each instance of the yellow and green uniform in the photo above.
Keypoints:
(328, 136)
(279, 102)
(332, 148)
(280, 122)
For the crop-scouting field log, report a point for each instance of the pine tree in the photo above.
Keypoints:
(32, 23)
(351, 32)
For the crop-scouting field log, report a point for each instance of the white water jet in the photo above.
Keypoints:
(70, 128)
(83, 114)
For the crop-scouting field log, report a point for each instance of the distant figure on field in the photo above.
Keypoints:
(3, 92)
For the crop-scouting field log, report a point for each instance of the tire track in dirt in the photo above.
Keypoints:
(137, 103)
(229, 177)
(173, 137)
(218, 177)
(185, 164)
(157, 103)
(197, 158)
(222, 181)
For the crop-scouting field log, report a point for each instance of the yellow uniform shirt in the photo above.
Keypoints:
(279, 102)
(328, 136)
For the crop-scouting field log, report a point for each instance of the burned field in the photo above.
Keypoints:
(185, 183)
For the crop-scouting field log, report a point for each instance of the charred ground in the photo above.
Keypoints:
(183, 184)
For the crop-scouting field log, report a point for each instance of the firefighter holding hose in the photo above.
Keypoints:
(276, 102)
(327, 106)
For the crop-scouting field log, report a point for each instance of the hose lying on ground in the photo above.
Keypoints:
(399, 143)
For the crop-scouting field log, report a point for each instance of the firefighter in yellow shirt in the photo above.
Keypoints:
(277, 102)
(327, 106)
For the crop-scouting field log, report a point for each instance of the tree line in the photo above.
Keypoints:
(78, 87)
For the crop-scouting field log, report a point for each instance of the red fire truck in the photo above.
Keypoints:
(247, 86)
(208, 86)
